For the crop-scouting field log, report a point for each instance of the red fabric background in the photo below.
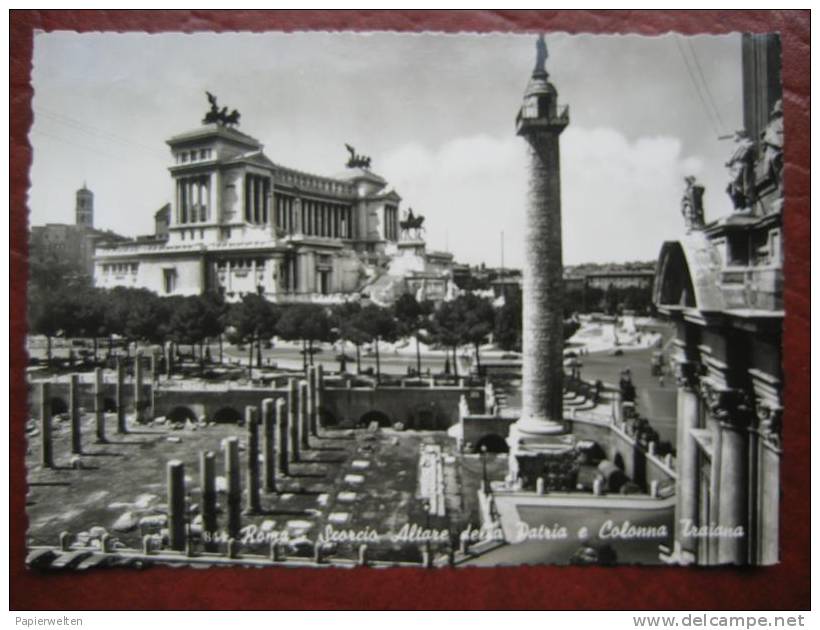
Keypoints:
(783, 587)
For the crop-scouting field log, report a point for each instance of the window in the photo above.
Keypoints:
(169, 277)
(775, 250)
(530, 109)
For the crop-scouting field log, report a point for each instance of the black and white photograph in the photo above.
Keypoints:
(381, 299)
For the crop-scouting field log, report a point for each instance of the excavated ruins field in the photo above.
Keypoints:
(360, 480)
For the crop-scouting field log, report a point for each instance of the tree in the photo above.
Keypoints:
(308, 323)
(411, 316)
(91, 315)
(508, 323)
(215, 301)
(254, 318)
(468, 319)
(193, 320)
(343, 320)
(477, 320)
(148, 317)
(50, 313)
(377, 323)
(446, 329)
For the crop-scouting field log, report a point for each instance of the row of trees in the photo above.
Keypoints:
(139, 315)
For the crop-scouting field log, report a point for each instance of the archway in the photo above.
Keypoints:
(375, 416)
(494, 444)
(228, 415)
(181, 414)
(58, 406)
(327, 419)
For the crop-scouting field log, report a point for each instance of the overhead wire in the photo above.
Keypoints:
(707, 111)
(705, 84)
(91, 130)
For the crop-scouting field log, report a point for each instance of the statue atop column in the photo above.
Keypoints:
(741, 167)
(773, 146)
(541, 55)
(219, 116)
(692, 204)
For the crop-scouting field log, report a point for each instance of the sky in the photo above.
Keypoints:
(435, 112)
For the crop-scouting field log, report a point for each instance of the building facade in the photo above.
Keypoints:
(240, 223)
(72, 244)
(722, 286)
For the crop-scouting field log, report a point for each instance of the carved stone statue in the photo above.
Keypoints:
(773, 146)
(356, 161)
(692, 204)
(741, 167)
(412, 222)
(219, 116)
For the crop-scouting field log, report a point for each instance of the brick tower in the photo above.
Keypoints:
(84, 209)
(540, 122)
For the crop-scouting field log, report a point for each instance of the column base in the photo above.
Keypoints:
(531, 426)
(533, 441)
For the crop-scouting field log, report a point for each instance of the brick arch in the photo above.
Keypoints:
(494, 443)
(326, 418)
(375, 415)
(227, 414)
(181, 413)
(58, 405)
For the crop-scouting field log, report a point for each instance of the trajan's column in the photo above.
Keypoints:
(540, 123)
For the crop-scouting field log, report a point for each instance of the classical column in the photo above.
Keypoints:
(304, 416)
(46, 446)
(252, 420)
(320, 392)
(730, 408)
(269, 444)
(686, 507)
(207, 476)
(234, 482)
(138, 398)
(213, 214)
(296, 210)
(74, 407)
(99, 404)
(293, 419)
(281, 409)
(121, 427)
(176, 504)
(540, 123)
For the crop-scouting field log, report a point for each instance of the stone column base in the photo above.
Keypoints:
(525, 445)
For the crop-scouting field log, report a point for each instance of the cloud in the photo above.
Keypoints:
(620, 199)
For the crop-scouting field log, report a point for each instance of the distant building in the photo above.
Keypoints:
(241, 223)
(72, 244)
(620, 279)
(84, 210)
(722, 286)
